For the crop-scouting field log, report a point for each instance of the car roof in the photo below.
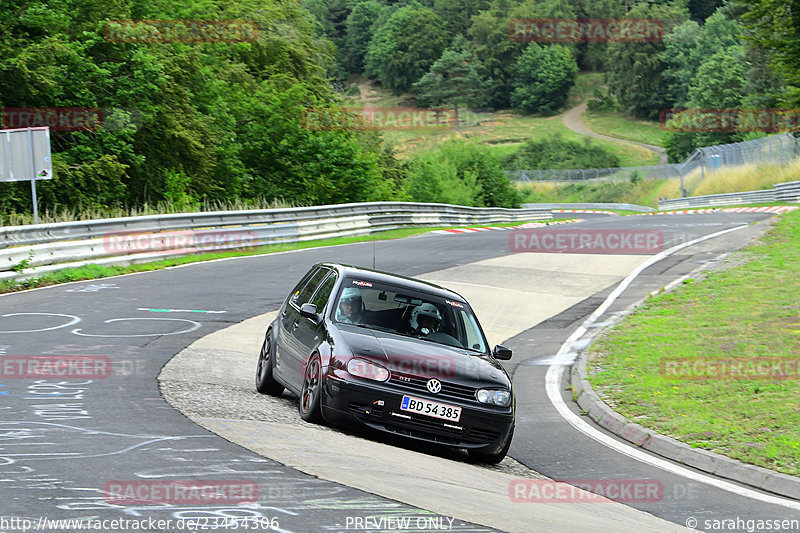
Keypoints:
(381, 276)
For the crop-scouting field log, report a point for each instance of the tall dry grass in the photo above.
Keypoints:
(744, 178)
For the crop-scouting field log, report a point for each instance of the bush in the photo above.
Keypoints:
(602, 101)
(559, 153)
(460, 173)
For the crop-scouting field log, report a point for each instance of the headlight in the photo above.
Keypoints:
(367, 369)
(494, 397)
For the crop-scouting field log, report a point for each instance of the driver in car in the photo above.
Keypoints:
(425, 319)
(351, 306)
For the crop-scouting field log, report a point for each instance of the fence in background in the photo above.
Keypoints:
(775, 149)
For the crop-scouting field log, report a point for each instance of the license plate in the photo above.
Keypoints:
(436, 410)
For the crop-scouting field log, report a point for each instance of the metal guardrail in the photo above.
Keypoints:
(601, 206)
(787, 192)
(46, 247)
(713, 200)
(781, 192)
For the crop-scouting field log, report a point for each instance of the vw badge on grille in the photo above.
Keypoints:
(434, 386)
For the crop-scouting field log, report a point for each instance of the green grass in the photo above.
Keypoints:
(647, 192)
(504, 130)
(747, 311)
(584, 87)
(644, 193)
(622, 126)
(89, 272)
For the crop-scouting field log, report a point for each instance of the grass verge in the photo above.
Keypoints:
(749, 310)
(647, 192)
(91, 271)
(644, 192)
(503, 130)
(622, 126)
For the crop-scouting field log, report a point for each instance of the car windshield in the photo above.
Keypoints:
(416, 314)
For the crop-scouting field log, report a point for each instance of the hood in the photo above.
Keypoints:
(424, 359)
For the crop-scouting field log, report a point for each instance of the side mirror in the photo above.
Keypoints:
(501, 352)
(310, 311)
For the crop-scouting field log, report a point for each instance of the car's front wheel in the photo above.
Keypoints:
(310, 409)
(492, 458)
(265, 382)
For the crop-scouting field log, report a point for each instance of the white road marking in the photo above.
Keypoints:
(553, 387)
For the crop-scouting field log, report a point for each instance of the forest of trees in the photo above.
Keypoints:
(713, 55)
(201, 122)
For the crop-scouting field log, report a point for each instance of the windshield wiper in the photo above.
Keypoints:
(379, 328)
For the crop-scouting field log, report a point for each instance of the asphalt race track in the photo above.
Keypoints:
(66, 445)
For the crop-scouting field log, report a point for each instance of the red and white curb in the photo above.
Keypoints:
(776, 209)
(521, 226)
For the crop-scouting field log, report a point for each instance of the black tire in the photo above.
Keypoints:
(265, 382)
(309, 406)
(492, 458)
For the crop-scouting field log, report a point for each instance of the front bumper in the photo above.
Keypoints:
(377, 405)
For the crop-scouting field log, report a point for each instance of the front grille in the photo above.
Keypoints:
(432, 424)
(449, 390)
(401, 430)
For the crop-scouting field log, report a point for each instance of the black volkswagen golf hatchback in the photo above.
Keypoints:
(399, 355)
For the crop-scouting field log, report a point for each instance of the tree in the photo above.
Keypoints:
(718, 87)
(496, 55)
(456, 14)
(688, 45)
(404, 48)
(184, 122)
(764, 87)
(702, 9)
(543, 76)
(451, 80)
(594, 55)
(681, 60)
(359, 26)
(775, 26)
(635, 75)
(494, 49)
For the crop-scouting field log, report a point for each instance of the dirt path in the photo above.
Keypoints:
(572, 120)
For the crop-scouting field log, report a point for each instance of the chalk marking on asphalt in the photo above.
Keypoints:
(553, 387)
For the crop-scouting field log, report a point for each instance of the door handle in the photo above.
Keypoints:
(295, 325)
